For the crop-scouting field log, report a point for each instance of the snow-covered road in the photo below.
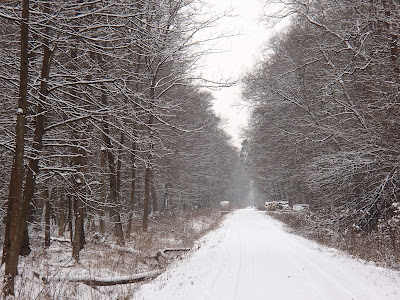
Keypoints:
(252, 257)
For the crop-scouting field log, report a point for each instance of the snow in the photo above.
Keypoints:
(125, 249)
(199, 225)
(251, 256)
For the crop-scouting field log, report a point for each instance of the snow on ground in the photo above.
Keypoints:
(251, 256)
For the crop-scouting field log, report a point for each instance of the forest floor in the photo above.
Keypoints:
(52, 273)
(253, 256)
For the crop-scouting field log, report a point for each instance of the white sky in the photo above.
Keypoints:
(239, 54)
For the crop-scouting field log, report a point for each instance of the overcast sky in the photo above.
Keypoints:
(239, 54)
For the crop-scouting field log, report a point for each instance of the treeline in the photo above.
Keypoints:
(101, 120)
(325, 125)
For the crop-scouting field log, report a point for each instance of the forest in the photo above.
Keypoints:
(114, 162)
(104, 122)
(324, 129)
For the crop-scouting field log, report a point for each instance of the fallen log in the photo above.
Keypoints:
(104, 281)
(98, 281)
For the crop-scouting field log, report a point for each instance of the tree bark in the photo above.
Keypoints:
(113, 177)
(79, 236)
(146, 202)
(79, 208)
(61, 216)
(153, 194)
(133, 157)
(103, 190)
(119, 165)
(47, 218)
(33, 169)
(70, 217)
(15, 212)
(133, 186)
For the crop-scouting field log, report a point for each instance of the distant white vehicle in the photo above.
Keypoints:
(301, 207)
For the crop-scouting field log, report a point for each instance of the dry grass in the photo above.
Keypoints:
(102, 257)
(380, 246)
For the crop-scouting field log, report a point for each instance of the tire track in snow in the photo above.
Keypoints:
(317, 268)
(251, 257)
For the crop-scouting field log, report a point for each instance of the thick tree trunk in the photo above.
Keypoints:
(25, 243)
(33, 169)
(79, 236)
(16, 213)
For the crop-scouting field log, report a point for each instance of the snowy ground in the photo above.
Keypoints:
(251, 256)
(52, 273)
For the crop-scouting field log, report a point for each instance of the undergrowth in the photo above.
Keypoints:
(380, 246)
(44, 273)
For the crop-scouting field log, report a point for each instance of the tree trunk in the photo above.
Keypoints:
(61, 216)
(113, 195)
(33, 169)
(13, 234)
(47, 217)
(79, 209)
(70, 217)
(25, 249)
(153, 194)
(133, 186)
(146, 202)
(119, 165)
(133, 157)
(103, 190)
(113, 177)
(79, 236)
(167, 185)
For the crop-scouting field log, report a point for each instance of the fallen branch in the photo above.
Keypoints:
(60, 240)
(106, 281)
(162, 252)
(176, 249)
(161, 257)
(124, 249)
